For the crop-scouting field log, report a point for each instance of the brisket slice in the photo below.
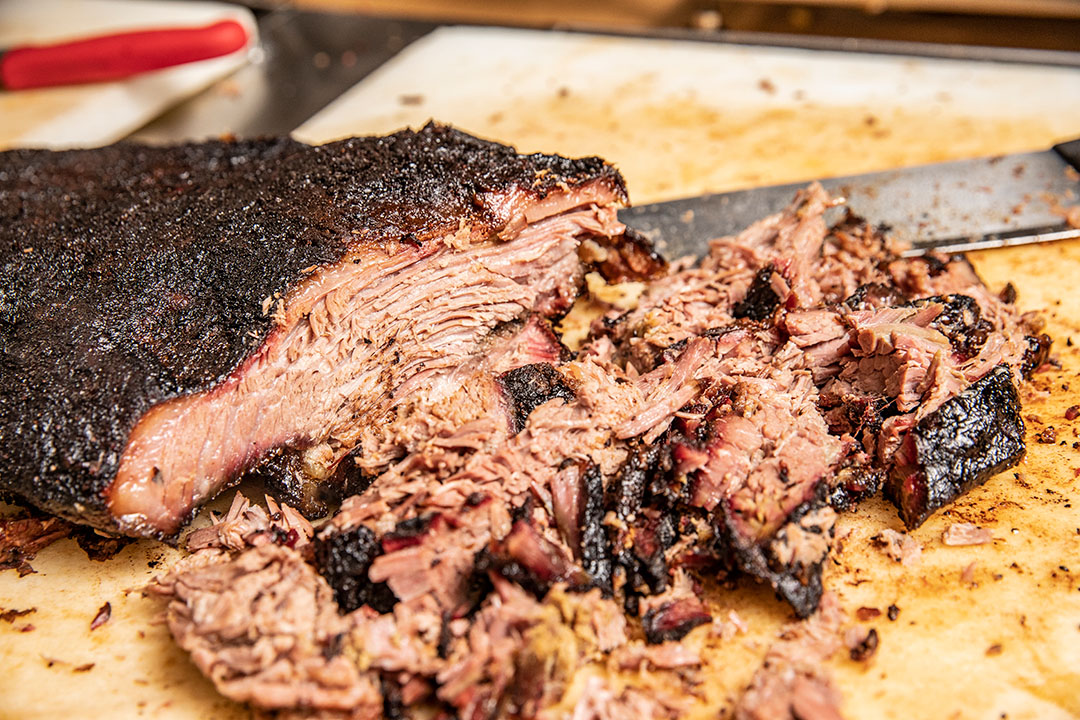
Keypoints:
(170, 316)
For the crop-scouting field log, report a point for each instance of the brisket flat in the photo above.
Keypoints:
(169, 316)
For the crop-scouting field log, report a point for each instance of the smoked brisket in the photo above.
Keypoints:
(169, 316)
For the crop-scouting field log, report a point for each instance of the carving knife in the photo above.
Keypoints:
(955, 206)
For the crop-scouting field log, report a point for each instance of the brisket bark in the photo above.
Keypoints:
(968, 439)
(170, 315)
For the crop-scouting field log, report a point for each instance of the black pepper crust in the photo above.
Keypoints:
(965, 442)
(130, 275)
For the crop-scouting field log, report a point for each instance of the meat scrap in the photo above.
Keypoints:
(966, 534)
(23, 536)
(102, 616)
(901, 547)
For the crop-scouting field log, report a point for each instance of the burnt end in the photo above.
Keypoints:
(967, 440)
(644, 530)
(632, 259)
(794, 576)
(344, 559)
(1037, 353)
(673, 620)
(530, 560)
(530, 386)
(760, 301)
(283, 474)
(874, 296)
(961, 322)
(854, 483)
(595, 551)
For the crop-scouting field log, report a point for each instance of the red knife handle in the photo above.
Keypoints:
(112, 57)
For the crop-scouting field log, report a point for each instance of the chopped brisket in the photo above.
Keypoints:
(530, 386)
(258, 627)
(674, 619)
(969, 438)
(344, 560)
(761, 300)
(522, 503)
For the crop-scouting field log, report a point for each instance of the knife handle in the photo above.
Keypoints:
(112, 57)
(1070, 151)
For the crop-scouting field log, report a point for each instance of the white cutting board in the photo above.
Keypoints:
(101, 113)
(683, 117)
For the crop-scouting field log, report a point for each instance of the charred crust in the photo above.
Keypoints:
(797, 584)
(875, 295)
(854, 483)
(761, 300)
(530, 386)
(961, 322)
(1036, 354)
(344, 559)
(595, 550)
(672, 621)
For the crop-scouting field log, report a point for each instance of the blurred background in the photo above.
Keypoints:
(1048, 24)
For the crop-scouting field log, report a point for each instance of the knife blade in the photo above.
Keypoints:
(955, 206)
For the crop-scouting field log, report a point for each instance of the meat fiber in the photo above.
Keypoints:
(170, 316)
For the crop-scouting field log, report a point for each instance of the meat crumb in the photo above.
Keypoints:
(966, 534)
(867, 613)
(9, 616)
(901, 547)
(865, 649)
(102, 617)
(994, 649)
(893, 612)
(1048, 436)
(84, 668)
(28, 627)
(1072, 412)
(967, 575)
